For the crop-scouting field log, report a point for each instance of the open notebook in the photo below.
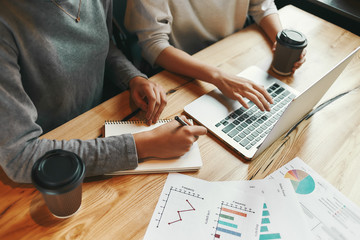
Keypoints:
(191, 161)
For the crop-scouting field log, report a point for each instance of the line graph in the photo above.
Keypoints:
(192, 208)
(181, 211)
(177, 198)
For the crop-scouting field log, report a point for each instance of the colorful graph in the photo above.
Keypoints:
(265, 233)
(228, 222)
(302, 182)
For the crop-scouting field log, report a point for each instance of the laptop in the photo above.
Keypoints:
(250, 131)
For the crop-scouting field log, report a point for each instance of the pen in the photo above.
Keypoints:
(181, 121)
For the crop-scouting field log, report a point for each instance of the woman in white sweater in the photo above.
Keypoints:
(169, 31)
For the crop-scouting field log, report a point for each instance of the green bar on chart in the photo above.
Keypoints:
(270, 236)
(226, 216)
(227, 224)
(265, 221)
(265, 213)
(264, 229)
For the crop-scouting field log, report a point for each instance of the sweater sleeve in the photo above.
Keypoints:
(20, 145)
(151, 22)
(118, 68)
(259, 9)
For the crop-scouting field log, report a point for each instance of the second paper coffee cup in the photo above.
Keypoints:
(290, 44)
(58, 175)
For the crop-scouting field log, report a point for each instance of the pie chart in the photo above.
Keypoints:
(302, 182)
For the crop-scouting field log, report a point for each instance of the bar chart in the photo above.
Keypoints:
(265, 228)
(191, 208)
(231, 219)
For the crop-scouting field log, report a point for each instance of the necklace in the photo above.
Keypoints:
(77, 18)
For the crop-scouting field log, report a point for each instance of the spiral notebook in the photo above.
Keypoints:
(191, 161)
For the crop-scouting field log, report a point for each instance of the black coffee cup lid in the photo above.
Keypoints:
(292, 38)
(58, 171)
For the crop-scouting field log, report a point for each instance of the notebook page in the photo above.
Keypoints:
(191, 161)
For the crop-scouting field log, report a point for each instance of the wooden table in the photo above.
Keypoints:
(121, 207)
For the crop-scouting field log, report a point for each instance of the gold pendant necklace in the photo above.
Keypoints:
(77, 18)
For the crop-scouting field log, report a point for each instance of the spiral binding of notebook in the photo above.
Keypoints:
(134, 121)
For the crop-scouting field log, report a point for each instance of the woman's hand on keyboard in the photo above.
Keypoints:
(237, 88)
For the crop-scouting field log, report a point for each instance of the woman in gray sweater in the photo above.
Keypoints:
(53, 57)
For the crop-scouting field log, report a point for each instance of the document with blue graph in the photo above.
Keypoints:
(282, 216)
(191, 208)
(329, 214)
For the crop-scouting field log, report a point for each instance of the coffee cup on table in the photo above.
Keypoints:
(289, 46)
(58, 175)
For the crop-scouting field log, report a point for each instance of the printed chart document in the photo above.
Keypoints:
(191, 208)
(282, 216)
(329, 213)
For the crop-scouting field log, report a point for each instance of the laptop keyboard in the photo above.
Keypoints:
(249, 127)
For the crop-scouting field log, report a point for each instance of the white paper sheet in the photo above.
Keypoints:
(282, 216)
(329, 213)
(190, 208)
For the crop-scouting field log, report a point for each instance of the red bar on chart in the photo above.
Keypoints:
(234, 212)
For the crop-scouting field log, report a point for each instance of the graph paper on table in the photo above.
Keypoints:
(329, 214)
(179, 200)
(282, 216)
(188, 208)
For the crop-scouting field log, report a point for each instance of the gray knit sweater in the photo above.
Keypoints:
(51, 70)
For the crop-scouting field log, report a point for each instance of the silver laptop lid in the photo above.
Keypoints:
(213, 107)
(304, 103)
